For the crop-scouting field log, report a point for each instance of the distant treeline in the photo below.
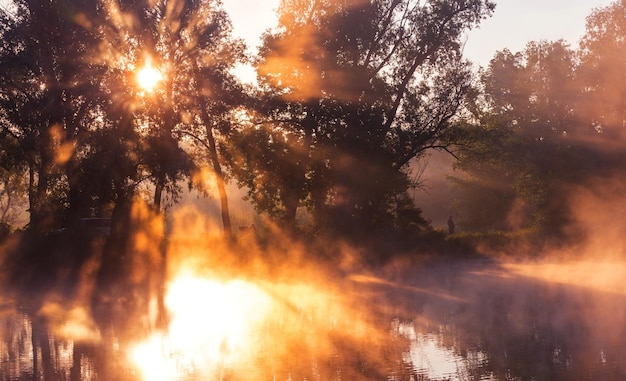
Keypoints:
(349, 96)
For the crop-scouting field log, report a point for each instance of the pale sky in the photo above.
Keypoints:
(251, 18)
(513, 24)
(517, 22)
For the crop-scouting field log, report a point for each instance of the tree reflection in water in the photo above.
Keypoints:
(473, 320)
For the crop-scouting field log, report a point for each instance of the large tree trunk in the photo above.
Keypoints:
(158, 194)
(221, 186)
(217, 168)
(219, 177)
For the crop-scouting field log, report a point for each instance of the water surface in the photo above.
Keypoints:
(458, 320)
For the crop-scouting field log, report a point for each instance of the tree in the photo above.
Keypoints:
(191, 43)
(527, 144)
(218, 98)
(357, 89)
(48, 92)
(602, 70)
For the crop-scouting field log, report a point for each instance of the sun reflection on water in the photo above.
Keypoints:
(212, 325)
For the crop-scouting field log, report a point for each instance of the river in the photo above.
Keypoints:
(450, 320)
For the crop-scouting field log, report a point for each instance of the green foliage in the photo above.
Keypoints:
(73, 118)
(354, 91)
(498, 242)
(519, 161)
(47, 94)
(601, 71)
(550, 119)
(408, 217)
(350, 93)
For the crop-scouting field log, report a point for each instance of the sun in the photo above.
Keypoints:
(148, 77)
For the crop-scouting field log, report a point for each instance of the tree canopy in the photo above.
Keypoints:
(352, 92)
(551, 121)
(89, 136)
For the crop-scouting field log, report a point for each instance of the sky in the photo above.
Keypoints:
(251, 18)
(517, 22)
(513, 24)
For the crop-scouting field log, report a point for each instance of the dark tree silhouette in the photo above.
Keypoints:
(192, 44)
(355, 90)
(49, 89)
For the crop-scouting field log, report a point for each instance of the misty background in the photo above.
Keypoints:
(370, 199)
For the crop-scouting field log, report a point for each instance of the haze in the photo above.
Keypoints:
(371, 206)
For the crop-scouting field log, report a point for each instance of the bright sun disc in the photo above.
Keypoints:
(148, 77)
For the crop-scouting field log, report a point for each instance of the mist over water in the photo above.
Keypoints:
(285, 311)
(165, 300)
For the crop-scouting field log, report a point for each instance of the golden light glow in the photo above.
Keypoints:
(148, 77)
(228, 312)
(606, 277)
(211, 325)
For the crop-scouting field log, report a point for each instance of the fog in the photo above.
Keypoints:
(286, 310)
(436, 195)
(165, 295)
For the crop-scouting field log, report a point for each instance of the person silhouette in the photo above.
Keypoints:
(450, 225)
